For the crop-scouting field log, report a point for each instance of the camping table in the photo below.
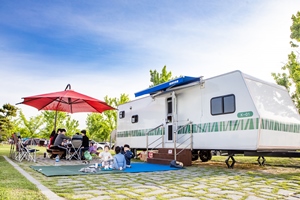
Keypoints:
(67, 146)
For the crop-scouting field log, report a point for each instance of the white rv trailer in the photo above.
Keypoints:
(232, 111)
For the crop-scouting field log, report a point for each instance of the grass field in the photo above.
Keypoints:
(279, 179)
(13, 185)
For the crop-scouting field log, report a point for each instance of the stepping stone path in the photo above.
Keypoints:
(191, 183)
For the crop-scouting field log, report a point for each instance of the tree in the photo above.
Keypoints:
(7, 125)
(295, 29)
(48, 119)
(42, 125)
(290, 78)
(71, 126)
(100, 126)
(157, 78)
(31, 127)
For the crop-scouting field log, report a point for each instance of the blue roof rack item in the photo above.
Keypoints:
(173, 83)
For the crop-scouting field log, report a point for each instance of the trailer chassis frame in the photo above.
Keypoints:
(230, 161)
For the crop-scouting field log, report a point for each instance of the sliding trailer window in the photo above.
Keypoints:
(222, 105)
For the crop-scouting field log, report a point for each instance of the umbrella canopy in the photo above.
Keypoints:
(66, 101)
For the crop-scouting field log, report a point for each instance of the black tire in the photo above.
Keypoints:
(205, 155)
(195, 155)
(99, 148)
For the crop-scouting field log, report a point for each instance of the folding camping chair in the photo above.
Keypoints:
(29, 154)
(22, 152)
(17, 152)
(75, 152)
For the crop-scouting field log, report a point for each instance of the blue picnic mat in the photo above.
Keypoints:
(69, 170)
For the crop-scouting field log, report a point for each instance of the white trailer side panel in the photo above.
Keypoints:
(280, 121)
(150, 114)
(226, 131)
(264, 117)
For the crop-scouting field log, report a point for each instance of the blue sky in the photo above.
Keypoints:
(108, 47)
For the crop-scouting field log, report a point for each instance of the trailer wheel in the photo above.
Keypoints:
(205, 155)
(195, 155)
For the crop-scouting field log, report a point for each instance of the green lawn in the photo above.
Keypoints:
(209, 180)
(13, 185)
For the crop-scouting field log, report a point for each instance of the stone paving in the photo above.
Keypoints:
(195, 182)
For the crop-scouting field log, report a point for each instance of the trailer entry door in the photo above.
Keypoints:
(169, 125)
(170, 132)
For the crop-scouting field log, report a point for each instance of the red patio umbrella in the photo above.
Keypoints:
(66, 101)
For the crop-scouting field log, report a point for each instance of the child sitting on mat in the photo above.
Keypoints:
(106, 158)
(128, 155)
(119, 159)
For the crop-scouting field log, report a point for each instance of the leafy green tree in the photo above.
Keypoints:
(71, 125)
(42, 125)
(7, 124)
(96, 126)
(100, 126)
(295, 29)
(156, 78)
(31, 127)
(290, 78)
(49, 118)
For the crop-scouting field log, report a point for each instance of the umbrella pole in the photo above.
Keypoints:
(55, 120)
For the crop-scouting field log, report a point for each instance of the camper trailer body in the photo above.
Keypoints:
(233, 111)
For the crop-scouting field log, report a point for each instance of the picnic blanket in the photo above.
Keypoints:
(68, 170)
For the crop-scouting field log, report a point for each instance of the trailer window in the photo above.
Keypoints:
(134, 119)
(121, 114)
(169, 101)
(222, 105)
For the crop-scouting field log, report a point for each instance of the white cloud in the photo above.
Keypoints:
(18, 83)
(251, 38)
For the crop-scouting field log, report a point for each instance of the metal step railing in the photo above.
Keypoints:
(161, 137)
(177, 139)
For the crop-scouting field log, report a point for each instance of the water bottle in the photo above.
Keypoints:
(57, 160)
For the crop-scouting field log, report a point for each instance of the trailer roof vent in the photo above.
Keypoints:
(170, 84)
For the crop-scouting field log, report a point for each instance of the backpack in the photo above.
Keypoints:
(176, 164)
(87, 155)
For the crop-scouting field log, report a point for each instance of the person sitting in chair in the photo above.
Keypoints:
(85, 143)
(51, 139)
(59, 142)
